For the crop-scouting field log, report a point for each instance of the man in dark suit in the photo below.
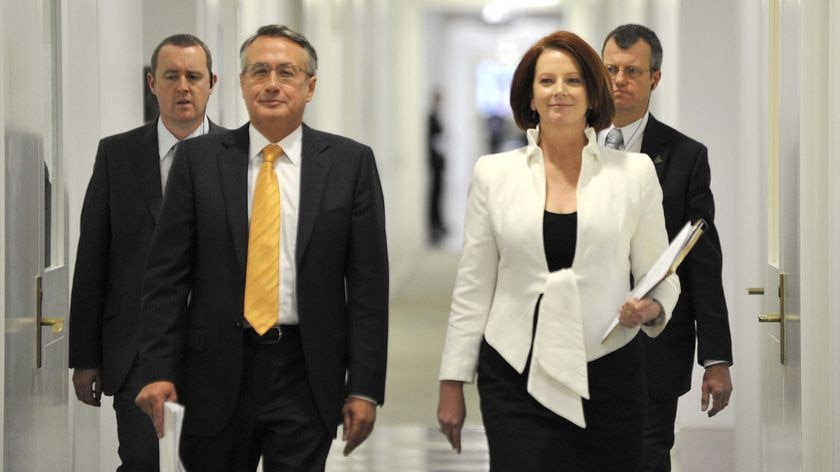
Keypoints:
(633, 56)
(120, 210)
(276, 392)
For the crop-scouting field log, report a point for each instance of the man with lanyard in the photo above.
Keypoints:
(633, 57)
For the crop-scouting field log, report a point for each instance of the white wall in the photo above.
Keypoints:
(833, 217)
(80, 98)
(162, 18)
(747, 256)
(3, 236)
(216, 26)
(103, 95)
(706, 65)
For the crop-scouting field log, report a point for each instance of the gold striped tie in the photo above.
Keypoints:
(262, 274)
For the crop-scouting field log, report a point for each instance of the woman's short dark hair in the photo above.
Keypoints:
(595, 78)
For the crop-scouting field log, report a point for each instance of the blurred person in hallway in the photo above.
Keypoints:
(119, 213)
(265, 299)
(437, 165)
(633, 57)
(551, 232)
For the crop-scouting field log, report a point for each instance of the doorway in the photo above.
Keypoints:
(35, 302)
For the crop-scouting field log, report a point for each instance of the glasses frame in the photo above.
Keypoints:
(631, 72)
(280, 69)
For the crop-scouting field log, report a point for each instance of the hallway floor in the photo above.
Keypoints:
(406, 438)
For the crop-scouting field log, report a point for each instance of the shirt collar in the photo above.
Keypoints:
(632, 132)
(534, 151)
(166, 139)
(292, 144)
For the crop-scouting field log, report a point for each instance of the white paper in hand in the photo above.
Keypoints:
(169, 444)
(664, 266)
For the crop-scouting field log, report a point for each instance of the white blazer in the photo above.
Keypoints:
(503, 270)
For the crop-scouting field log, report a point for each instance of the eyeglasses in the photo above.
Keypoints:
(631, 72)
(286, 73)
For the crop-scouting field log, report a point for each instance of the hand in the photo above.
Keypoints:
(718, 385)
(151, 399)
(88, 385)
(452, 411)
(359, 417)
(635, 312)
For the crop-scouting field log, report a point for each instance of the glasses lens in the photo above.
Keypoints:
(285, 72)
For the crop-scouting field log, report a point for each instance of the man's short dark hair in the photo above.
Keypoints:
(184, 41)
(625, 37)
(283, 31)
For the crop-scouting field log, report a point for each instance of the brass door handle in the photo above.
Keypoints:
(755, 291)
(57, 323)
(770, 318)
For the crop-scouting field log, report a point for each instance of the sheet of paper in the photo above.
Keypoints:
(169, 444)
(664, 266)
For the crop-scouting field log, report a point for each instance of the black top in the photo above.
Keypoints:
(559, 239)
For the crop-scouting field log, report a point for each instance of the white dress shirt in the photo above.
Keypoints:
(632, 134)
(167, 143)
(287, 168)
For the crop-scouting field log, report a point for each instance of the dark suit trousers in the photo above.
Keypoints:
(138, 449)
(523, 435)
(275, 417)
(659, 434)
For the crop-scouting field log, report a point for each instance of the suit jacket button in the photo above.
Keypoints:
(238, 324)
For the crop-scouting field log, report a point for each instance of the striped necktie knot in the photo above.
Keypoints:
(615, 140)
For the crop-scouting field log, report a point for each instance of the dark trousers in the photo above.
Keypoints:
(523, 435)
(659, 434)
(275, 417)
(138, 449)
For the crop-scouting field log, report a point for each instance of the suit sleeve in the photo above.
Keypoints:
(367, 286)
(475, 285)
(167, 278)
(90, 278)
(649, 242)
(703, 271)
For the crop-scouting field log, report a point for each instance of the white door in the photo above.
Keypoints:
(35, 429)
(781, 418)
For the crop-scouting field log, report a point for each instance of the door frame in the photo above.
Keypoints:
(820, 259)
(2, 253)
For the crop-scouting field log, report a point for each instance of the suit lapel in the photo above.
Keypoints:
(313, 173)
(655, 145)
(145, 160)
(214, 128)
(233, 169)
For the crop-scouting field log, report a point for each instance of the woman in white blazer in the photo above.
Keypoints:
(553, 232)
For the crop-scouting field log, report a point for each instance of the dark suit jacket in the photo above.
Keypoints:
(682, 165)
(194, 286)
(119, 213)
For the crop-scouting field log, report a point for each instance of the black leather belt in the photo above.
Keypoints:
(273, 335)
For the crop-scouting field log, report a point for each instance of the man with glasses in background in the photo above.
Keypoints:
(633, 57)
(272, 331)
(120, 209)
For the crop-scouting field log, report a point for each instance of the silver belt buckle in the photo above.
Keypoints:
(271, 337)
